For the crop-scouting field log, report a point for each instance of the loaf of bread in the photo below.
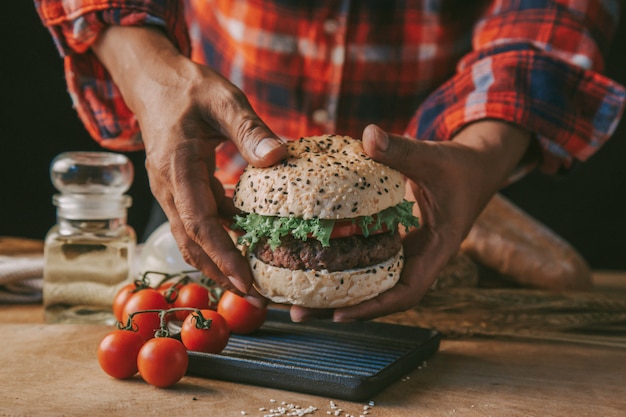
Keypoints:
(509, 241)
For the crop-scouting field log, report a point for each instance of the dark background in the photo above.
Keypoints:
(38, 122)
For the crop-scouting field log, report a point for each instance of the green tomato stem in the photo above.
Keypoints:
(201, 322)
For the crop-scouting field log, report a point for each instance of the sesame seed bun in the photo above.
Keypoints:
(324, 289)
(328, 177)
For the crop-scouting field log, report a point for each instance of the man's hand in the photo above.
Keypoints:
(185, 111)
(451, 182)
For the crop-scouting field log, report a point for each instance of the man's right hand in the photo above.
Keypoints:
(185, 110)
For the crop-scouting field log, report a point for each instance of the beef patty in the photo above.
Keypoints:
(343, 253)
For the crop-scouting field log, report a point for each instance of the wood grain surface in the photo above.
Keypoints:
(50, 370)
(501, 357)
(14, 246)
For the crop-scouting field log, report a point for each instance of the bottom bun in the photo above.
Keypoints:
(324, 289)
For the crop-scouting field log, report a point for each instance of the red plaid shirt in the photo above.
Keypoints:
(423, 68)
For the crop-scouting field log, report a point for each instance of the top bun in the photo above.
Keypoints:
(326, 177)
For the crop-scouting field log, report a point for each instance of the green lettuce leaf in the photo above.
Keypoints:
(273, 228)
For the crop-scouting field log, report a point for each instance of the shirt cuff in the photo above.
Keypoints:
(570, 110)
(95, 96)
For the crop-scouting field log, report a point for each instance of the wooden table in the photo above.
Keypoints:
(50, 370)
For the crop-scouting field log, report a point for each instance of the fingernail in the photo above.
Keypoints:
(382, 140)
(238, 284)
(266, 146)
(296, 315)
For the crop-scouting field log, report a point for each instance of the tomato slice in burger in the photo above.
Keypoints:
(345, 228)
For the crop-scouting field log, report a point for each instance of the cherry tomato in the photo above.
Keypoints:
(241, 316)
(117, 353)
(162, 361)
(121, 298)
(147, 323)
(191, 295)
(209, 340)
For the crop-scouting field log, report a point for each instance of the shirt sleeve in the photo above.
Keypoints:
(537, 64)
(75, 25)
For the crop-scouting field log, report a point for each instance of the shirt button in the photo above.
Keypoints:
(320, 116)
(331, 26)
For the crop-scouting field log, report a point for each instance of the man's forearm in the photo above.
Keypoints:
(499, 147)
(134, 56)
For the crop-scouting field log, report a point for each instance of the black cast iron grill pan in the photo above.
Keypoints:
(349, 361)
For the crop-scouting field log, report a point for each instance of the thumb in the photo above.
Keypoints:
(256, 142)
(400, 153)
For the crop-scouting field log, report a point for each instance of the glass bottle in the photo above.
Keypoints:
(88, 254)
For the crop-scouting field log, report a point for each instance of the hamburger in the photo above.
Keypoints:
(320, 229)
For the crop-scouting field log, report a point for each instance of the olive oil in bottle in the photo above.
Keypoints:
(88, 254)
